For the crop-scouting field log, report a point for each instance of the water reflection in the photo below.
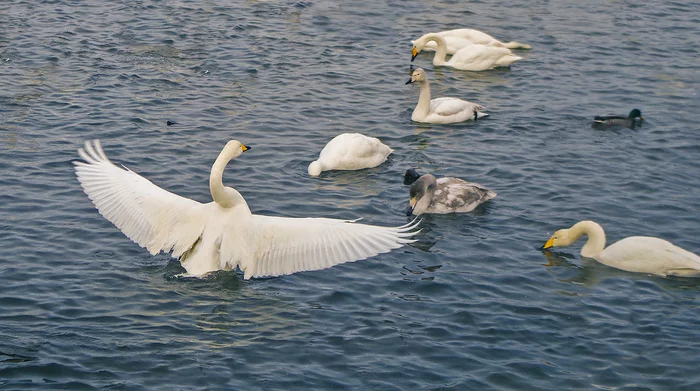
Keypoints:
(232, 312)
(632, 125)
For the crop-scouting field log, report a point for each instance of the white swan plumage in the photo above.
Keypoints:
(475, 57)
(441, 110)
(460, 38)
(224, 234)
(350, 151)
(641, 254)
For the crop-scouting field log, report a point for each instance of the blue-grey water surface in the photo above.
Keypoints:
(473, 305)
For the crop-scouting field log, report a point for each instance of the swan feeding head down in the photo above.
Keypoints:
(474, 57)
(641, 254)
(459, 38)
(350, 151)
(224, 234)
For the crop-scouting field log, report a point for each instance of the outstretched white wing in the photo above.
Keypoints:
(289, 245)
(150, 216)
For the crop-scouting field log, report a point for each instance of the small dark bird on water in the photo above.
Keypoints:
(633, 120)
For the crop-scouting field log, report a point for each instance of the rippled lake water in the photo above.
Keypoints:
(473, 305)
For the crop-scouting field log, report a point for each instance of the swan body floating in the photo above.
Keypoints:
(350, 151)
(224, 234)
(631, 121)
(460, 38)
(642, 254)
(443, 195)
(474, 57)
(441, 110)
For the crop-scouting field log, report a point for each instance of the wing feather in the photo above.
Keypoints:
(290, 245)
(150, 216)
(448, 106)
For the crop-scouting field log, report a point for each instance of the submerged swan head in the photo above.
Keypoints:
(418, 76)
(421, 193)
(315, 168)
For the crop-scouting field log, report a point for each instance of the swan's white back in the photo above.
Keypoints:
(350, 151)
(209, 237)
(448, 110)
(481, 57)
(646, 254)
(459, 38)
(453, 44)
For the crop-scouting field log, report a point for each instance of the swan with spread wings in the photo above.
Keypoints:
(224, 234)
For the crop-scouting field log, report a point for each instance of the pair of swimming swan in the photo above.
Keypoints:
(441, 110)
(470, 57)
(224, 234)
(460, 38)
(641, 254)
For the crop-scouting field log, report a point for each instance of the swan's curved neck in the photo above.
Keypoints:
(424, 203)
(225, 197)
(596, 237)
(441, 51)
(423, 107)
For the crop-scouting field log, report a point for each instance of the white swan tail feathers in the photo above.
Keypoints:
(516, 45)
(290, 245)
(150, 216)
(479, 111)
(315, 168)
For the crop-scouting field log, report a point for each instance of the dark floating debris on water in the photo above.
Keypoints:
(170, 123)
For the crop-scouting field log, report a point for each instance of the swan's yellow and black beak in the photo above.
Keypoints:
(550, 243)
(244, 147)
(414, 53)
(411, 69)
(411, 205)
